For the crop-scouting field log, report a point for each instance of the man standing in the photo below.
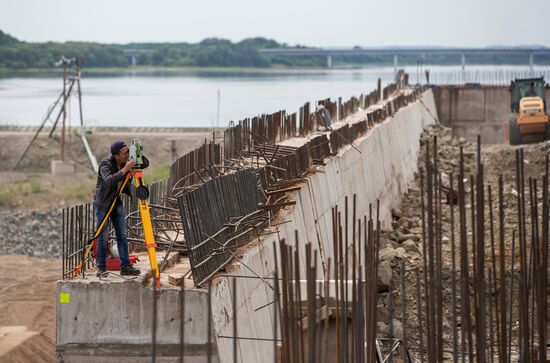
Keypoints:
(112, 172)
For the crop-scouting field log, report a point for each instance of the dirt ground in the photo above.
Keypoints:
(27, 300)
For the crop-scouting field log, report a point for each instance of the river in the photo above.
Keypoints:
(190, 98)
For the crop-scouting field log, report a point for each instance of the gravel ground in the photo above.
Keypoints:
(36, 233)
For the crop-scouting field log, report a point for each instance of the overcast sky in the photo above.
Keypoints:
(460, 23)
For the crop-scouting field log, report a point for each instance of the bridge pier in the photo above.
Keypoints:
(329, 61)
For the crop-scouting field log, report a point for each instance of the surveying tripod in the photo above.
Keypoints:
(142, 195)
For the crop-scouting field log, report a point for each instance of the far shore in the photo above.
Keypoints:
(159, 70)
(54, 71)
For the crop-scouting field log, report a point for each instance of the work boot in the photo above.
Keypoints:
(101, 271)
(129, 270)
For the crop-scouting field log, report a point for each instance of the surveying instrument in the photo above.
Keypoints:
(142, 194)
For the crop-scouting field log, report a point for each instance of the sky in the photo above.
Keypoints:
(323, 23)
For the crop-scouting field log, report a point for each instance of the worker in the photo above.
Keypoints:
(112, 172)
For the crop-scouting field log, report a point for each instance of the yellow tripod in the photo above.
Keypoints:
(142, 196)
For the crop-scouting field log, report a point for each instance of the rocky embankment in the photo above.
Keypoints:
(403, 244)
(37, 233)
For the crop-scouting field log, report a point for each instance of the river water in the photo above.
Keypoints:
(190, 98)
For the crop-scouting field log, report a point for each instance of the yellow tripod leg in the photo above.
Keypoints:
(147, 228)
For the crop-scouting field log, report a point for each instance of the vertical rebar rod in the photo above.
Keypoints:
(343, 299)
(424, 253)
(453, 274)
(503, 352)
(419, 313)
(182, 319)
(209, 325)
(391, 327)
(480, 260)
(533, 260)
(276, 302)
(285, 314)
(353, 279)
(346, 279)
(326, 322)
(234, 304)
(439, 270)
(494, 288)
(63, 244)
(432, 351)
(154, 322)
(543, 268)
(465, 325)
(310, 293)
(524, 269)
(298, 302)
(336, 267)
(510, 313)
(403, 305)
(490, 308)
(475, 288)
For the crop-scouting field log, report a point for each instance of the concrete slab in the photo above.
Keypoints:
(59, 167)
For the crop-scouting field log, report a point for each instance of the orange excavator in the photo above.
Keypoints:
(529, 121)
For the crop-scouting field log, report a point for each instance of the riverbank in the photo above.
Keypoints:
(147, 70)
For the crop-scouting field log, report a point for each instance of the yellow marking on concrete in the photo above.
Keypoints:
(64, 298)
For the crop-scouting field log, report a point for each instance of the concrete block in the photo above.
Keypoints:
(60, 167)
(112, 322)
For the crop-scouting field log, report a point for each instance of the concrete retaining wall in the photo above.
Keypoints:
(381, 170)
(470, 111)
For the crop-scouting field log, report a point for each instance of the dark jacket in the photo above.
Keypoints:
(109, 179)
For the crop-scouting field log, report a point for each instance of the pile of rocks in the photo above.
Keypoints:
(36, 233)
(403, 244)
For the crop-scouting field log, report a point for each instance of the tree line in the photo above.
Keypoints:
(212, 52)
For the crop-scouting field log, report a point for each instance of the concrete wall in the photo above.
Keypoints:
(471, 110)
(386, 162)
(112, 322)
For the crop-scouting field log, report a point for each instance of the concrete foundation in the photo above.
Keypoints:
(112, 321)
(60, 167)
(475, 110)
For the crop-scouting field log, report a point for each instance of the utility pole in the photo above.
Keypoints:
(65, 61)
(58, 166)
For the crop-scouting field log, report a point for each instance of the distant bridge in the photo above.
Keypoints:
(529, 52)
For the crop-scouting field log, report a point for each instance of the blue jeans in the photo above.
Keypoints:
(119, 223)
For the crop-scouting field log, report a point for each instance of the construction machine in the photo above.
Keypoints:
(528, 121)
